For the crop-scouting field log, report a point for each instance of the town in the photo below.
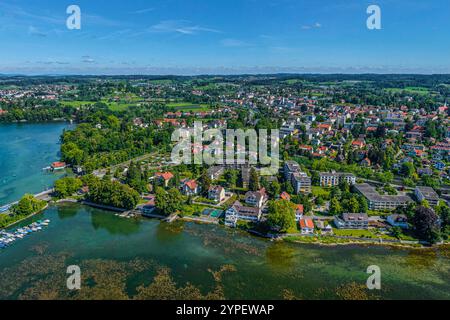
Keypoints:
(363, 158)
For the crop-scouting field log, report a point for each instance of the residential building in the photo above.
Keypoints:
(289, 168)
(240, 212)
(377, 201)
(306, 226)
(190, 187)
(58, 165)
(299, 180)
(398, 220)
(301, 183)
(285, 196)
(299, 212)
(331, 179)
(216, 193)
(255, 198)
(352, 221)
(164, 177)
(427, 193)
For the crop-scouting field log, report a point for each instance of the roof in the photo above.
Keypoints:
(428, 192)
(166, 175)
(372, 195)
(243, 210)
(58, 164)
(358, 143)
(398, 218)
(254, 194)
(191, 184)
(336, 174)
(285, 196)
(355, 217)
(299, 209)
(292, 166)
(306, 223)
(216, 189)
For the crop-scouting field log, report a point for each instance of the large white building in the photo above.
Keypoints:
(299, 180)
(427, 193)
(380, 202)
(331, 179)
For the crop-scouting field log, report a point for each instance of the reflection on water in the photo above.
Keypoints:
(169, 232)
(147, 259)
(281, 256)
(108, 222)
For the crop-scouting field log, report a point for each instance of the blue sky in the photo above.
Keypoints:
(224, 37)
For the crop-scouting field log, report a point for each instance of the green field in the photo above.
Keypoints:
(188, 107)
(412, 90)
(112, 105)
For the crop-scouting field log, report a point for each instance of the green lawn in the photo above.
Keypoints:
(412, 90)
(76, 103)
(114, 106)
(188, 107)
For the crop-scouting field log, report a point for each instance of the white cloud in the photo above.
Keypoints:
(316, 25)
(36, 32)
(179, 26)
(141, 11)
(87, 59)
(233, 43)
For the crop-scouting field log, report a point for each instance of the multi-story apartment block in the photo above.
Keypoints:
(427, 193)
(331, 179)
(380, 202)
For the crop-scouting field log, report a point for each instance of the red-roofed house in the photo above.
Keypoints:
(164, 176)
(299, 212)
(285, 196)
(358, 144)
(190, 187)
(306, 226)
(58, 165)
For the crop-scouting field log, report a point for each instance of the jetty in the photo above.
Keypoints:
(9, 237)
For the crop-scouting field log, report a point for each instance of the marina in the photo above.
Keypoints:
(8, 238)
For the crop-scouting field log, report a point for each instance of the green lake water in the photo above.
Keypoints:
(24, 150)
(148, 259)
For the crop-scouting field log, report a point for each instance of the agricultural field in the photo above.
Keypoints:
(188, 107)
(411, 90)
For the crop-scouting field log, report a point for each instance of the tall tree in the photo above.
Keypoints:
(281, 215)
(425, 222)
(254, 180)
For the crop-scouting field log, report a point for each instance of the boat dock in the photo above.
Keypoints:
(8, 238)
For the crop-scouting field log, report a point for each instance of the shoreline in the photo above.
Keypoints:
(353, 241)
(27, 217)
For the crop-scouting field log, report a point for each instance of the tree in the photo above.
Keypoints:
(67, 186)
(353, 205)
(319, 201)
(253, 184)
(274, 189)
(396, 232)
(231, 178)
(443, 211)
(168, 202)
(363, 205)
(27, 205)
(425, 222)
(281, 215)
(344, 186)
(205, 181)
(408, 169)
(335, 207)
